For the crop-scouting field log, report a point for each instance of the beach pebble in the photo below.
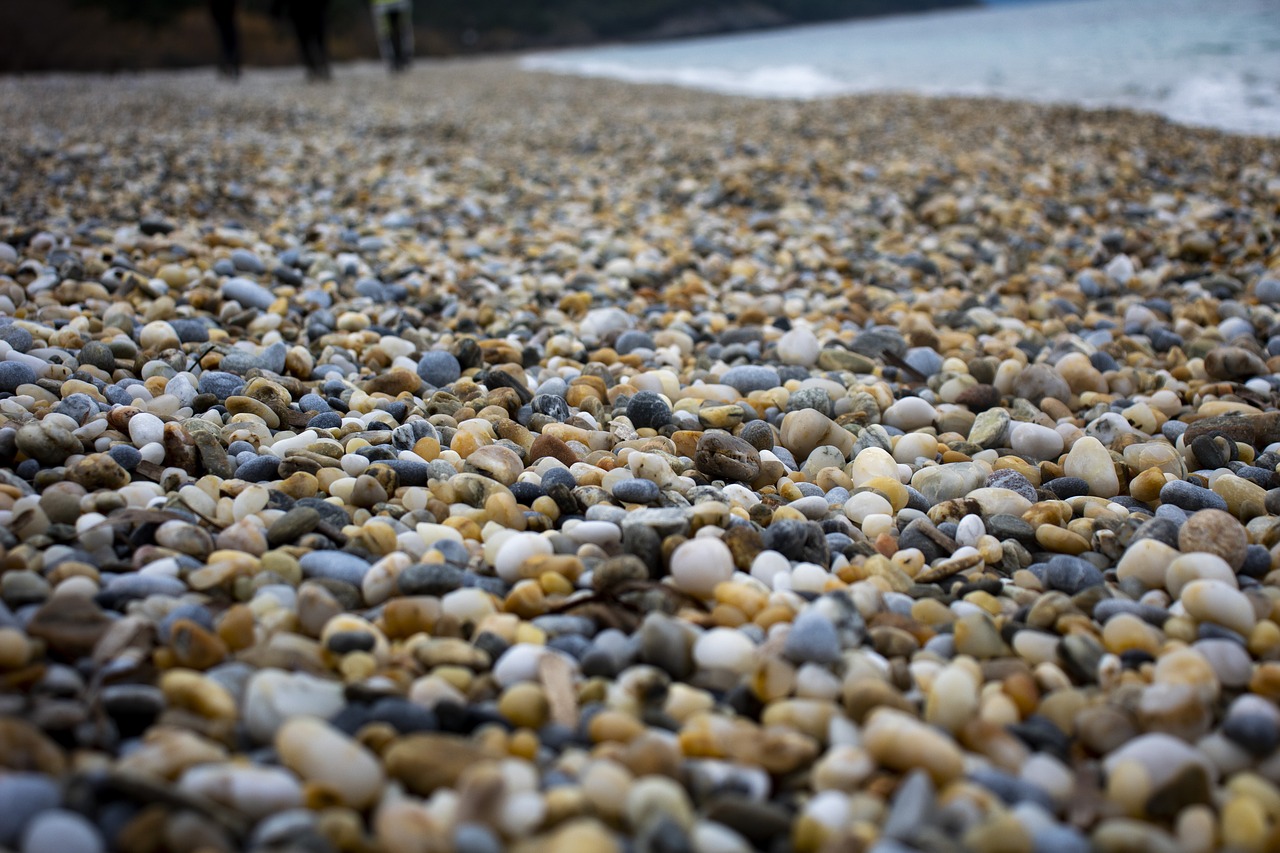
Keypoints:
(323, 756)
(61, 830)
(701, 563)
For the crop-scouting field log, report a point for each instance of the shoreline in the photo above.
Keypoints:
(481, 459)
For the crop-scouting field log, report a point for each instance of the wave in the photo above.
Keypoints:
(782, 81)
(1233, 102)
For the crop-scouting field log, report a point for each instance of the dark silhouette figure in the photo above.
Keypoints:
(224, 19)
(393, 22)
(308, 18)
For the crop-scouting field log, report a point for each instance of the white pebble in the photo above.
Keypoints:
(145, 428)
(515, 550)
(700, 563)
(725, 648)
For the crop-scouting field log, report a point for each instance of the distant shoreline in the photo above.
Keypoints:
(79, 38)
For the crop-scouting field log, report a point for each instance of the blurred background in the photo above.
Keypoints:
(125, 35)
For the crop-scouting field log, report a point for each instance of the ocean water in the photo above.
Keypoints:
(1212, 63)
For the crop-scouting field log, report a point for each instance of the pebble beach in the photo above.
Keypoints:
(485, 460)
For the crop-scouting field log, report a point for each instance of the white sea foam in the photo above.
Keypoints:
(1211, 64)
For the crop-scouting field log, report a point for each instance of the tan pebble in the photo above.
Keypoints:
(1187, 666)
(1245, 826)
(1061, 540)
(427, 762)
(1196, 829)
(842, 768)
(606, 785)
(1215, 532)
(194, 692)
(652, 754)
(194, 647)
(903, 743)
(862, 696)
(1147, 485)
(525, 705)
(976, 636)
(1103, 728)
(1126, 632)
(577, 834)
(1175, 709)
(1121, 835)
(811, 717)
(167, 751)
(404, 826)
(1002, 833)
(14, 649)
(614, 726)
(300, 485)
(1264, 640)
(1217, 602)
(1129, 787)
(23, 747)
(1266, 681)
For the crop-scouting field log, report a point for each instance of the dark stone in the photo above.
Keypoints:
(430, 579)
(932, 542)
(1042, 735)
(1162, 530)
(1067, 487)
(761, 823)
(1007, 478)
(1072, 574)
(799, 541)
(1256, 733)
(1011, 789)
(1191, 497)
(648, 409)
(552, 406)
(408, 473)
(13, 374)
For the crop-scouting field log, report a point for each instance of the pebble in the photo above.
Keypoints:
(62, 830)
(323, 756)
(698, 565)
(25, 796)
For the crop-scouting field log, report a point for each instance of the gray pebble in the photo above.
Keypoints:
(335, 565)
(13, 374)
(61, 831)
(24, 795)
(248, 293)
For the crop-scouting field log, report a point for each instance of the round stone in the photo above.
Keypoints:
(439, 368)
(1215, 531)
(13, 374)
(648, 409)
(63, 831)
(701, 563)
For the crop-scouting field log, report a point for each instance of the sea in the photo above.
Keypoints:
(1211, 63)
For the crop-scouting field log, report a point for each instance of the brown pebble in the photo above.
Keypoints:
(1216, 532)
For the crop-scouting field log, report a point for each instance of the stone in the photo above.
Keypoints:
(1216, 532)
(323, 756)
(903, 743)
(272, 696)
(25, 795)
(61, 830)
(700, 563)
(424, 763)
(1089, 460)
(1216, 602)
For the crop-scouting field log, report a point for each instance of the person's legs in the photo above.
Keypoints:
(319, 34)
(224, 19)
(308, 20)
(396, 38)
